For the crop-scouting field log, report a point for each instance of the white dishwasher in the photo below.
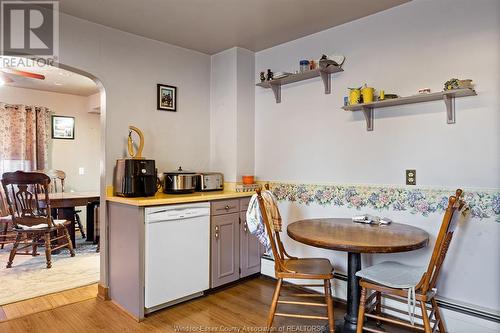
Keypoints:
(177, 250)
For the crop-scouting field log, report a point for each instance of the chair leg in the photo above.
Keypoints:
(4, 234)
(361, 311)
(14, 250)
(274, 304)
(329, 305)
(34, 245)
(437, 313)
(378, 307)
(425, 318)
(48, 249)
(68, 240)
(80, 226)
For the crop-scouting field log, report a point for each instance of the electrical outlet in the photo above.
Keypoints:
(411, 177)
(81, 171)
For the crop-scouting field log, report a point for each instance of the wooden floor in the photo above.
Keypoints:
(47, 302)
(239, 308)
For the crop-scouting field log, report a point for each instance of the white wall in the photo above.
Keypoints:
(308, 138)
(245, 123)
(223, 105)
(129, 68)
(67, 155)
(232, 113)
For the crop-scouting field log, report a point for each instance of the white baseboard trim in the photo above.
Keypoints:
(458, 319)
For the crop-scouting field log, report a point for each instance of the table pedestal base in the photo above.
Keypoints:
(342, 326)
(348, 324)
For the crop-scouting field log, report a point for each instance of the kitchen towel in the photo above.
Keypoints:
(255, 222)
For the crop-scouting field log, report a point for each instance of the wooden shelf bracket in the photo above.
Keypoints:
(449, 101)
(368, 112)
(327, 81)
(277, 92)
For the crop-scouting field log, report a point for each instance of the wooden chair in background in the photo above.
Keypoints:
(59, 176)
(288, 267)
(7, 236)
(27, 195)
(378, 278)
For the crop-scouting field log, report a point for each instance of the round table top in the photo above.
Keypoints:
(344, 235)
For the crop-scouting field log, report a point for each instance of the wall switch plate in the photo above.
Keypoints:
(81, 171)
(411, 177)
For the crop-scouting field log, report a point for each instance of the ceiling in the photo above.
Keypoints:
(211, 26)
(56, 79)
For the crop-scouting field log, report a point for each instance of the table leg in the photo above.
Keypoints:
(68, 213)
(348, 325)
(90, 221)
(353, 288)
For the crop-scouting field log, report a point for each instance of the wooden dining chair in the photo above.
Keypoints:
(7, 236)
(419, 281)
(27, 195)
(59, 176)
(288, 267)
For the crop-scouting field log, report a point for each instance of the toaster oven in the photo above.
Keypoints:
(209, 181)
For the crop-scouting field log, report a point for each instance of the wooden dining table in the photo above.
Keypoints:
(65, 203)
(342, 234)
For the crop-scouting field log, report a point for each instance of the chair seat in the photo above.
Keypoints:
(41, 226)
(313, 268)
(5, 219)
(393, 274)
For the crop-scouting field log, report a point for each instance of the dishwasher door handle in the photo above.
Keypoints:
(176, 218)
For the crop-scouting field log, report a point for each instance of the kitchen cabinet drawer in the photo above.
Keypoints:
(244, 204)
(225, 207)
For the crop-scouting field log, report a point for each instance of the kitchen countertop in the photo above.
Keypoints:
(166, 199)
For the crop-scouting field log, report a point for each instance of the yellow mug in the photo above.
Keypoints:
(367, 93)
(354, 96)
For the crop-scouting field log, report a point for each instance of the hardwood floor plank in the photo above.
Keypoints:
(48, 302)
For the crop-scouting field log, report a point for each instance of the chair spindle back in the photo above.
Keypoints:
(448, 226)
(55, 176)
(27, 195)
(274, 236)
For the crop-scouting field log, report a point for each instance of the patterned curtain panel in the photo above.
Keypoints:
(24, 137)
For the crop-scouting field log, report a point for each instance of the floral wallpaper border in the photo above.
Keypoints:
(484, 204)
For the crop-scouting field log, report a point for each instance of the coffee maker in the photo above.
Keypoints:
(135, 176)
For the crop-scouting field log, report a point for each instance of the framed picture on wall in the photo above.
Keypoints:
(63, 127)
(166, 98)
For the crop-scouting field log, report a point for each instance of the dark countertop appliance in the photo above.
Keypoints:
(135, 178)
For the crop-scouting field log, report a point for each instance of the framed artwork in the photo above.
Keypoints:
(63, 127)
(166, 98)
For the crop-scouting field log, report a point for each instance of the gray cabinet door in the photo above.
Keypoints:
(225, 249)
(250, 250)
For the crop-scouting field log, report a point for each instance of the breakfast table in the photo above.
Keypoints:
(65, 203)
(342, 234)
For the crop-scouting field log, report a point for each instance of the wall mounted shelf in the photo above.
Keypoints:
(447, 96)
(325, 74)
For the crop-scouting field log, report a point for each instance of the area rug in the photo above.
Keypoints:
(30, 278)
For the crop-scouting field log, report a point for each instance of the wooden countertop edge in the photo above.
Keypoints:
(178, 198)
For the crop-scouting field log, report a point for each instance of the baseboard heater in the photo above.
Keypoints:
(442, 303)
